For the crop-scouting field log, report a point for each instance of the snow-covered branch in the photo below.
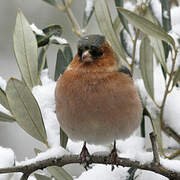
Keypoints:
(154, 166)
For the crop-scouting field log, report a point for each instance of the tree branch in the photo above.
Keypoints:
(97, 159)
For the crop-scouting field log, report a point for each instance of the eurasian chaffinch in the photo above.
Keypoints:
(96, 101)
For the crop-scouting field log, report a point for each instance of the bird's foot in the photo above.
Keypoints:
(113, 157)
(85, 157)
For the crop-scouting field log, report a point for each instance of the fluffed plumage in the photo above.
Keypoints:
(95, 100)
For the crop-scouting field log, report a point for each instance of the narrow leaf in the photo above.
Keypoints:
(49, 31)
(37, 151)
(117, 25)
(41, 177)
(120, 3)
(68, 53)
(42, 63)
(156, 43)
(59, 173)
(25, 48)
(105, 24)
(146, 66)
(88, 12)
(25, 109)
(63, 138)
(176, 77)
(146, 26)
(51, 2)
(3, 99)
(6, 118)
(61, 64)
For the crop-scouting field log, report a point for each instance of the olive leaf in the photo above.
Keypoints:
(176, 76)
(146, 66)
(41, 177)
(146, 26)
(105, 24)
(120, 3)
(156, 43)
(59, 173)
(51, 30)
(25, 48)
(68, 53)
(6, 118)
(3, 99)
(61, 64)
(63, 138)
(25, 109)
(42, 61)
(51, 2)
(87, 15)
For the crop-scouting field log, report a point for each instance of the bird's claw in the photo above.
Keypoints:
(85, 157)
(113, 157)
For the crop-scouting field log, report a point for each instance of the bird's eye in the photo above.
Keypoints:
(95, 52)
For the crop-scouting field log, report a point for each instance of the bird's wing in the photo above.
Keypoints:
(125, 70)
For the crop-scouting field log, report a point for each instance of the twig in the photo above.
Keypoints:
(153, 138)
(98, 159)
(73, 20)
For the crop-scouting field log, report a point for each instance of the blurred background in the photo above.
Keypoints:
(41, 14)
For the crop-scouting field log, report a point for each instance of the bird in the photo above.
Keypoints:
(96, 99)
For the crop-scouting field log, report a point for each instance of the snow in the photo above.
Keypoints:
(50, 153)
(45, 97)
(36, 30)
(58, 39)
(156, 7)
(89, 7)
(7, 160)
(165, 14)
(104, 172)
(171, 111)
(3, 83)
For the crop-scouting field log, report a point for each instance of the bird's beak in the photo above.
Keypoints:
(86, 56)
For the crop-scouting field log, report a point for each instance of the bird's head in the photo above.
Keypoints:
(93, 53)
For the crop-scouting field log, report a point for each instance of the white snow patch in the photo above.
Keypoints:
(165, 14)
(50, 153)
(45, 96)
(3, 83)
(171, 110)
(104, 172)
(58, 39)
(156, 7)
(89, 7)
(36, 30)
(7, 160)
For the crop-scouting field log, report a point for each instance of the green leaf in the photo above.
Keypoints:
(117, 25)
(49, 31)
(59, 173)
(3, 99)
(176, 76)
(120, 3)
(41, 177)
(87, 17)
(68, 53)
(63, 138)
(42, 61)
(25, 109)
(146, 26)
(51, 2)
(6, 118)
(105, 24)
(146, 66)
(61, 64)
(156, 43)
(25, 48)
